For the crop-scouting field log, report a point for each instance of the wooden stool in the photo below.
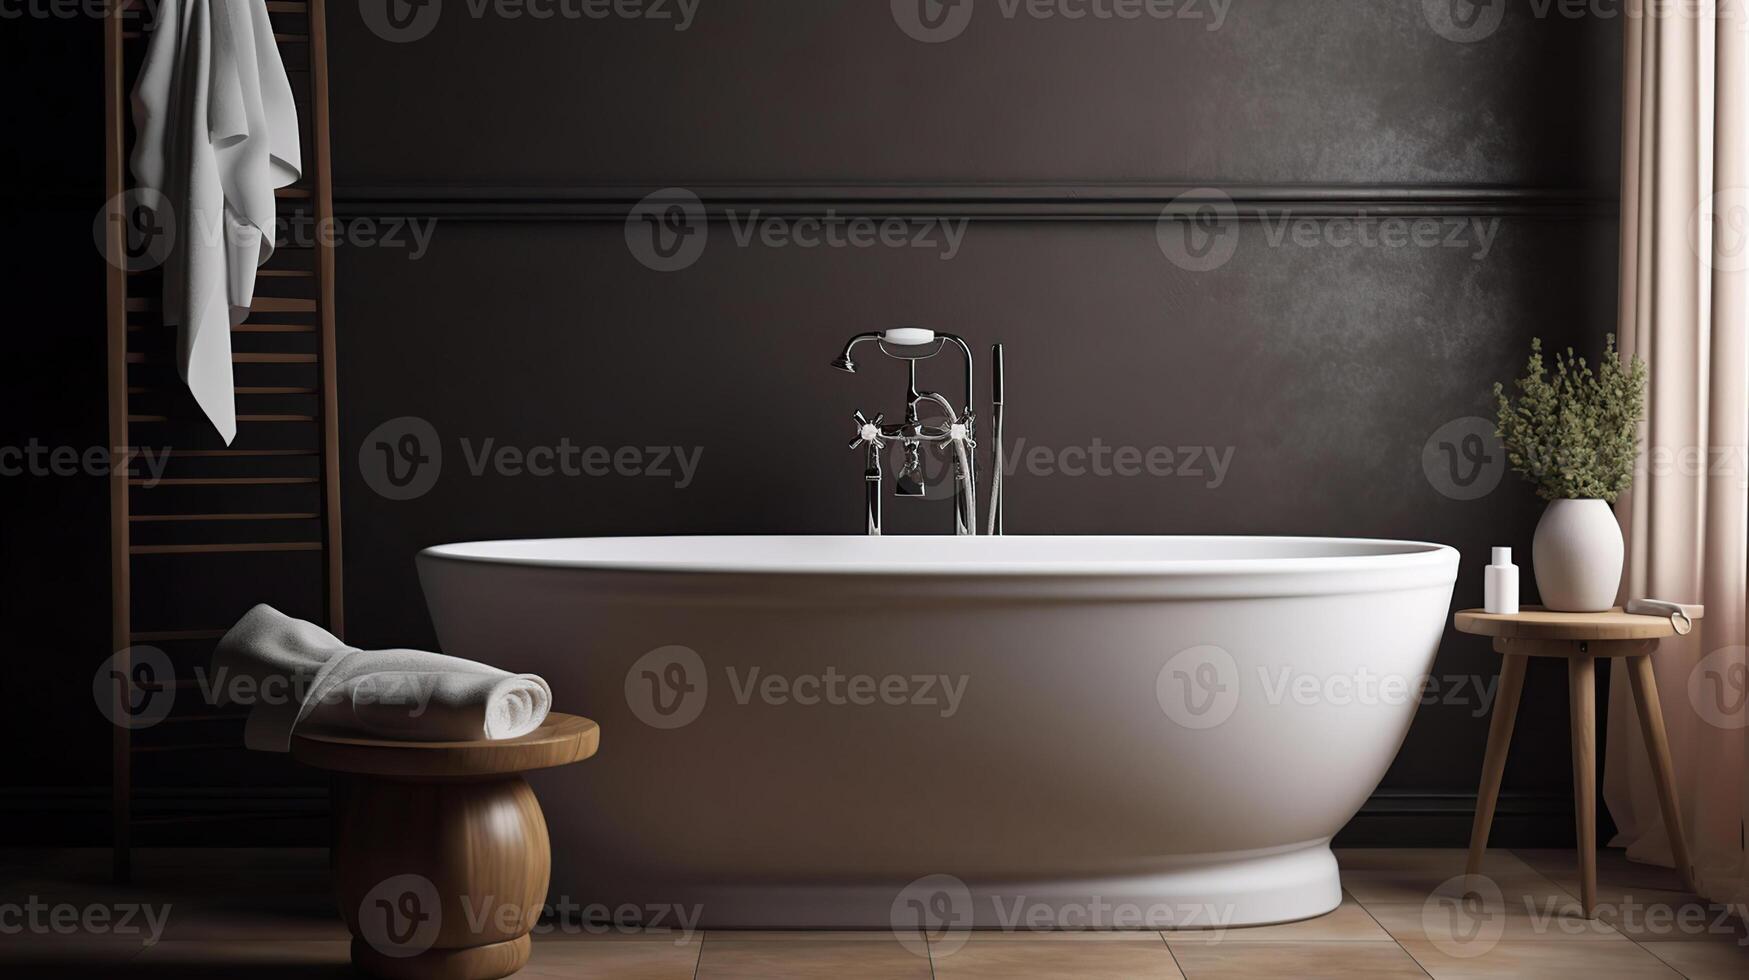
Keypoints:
(1579, 638)
(441, 857)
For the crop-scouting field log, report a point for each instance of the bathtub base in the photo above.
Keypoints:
(1241, 890)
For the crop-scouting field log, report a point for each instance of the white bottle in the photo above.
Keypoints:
(1500, 584)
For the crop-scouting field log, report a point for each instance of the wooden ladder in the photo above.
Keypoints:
(187, 508)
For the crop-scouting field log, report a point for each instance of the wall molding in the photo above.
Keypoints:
(975, 201)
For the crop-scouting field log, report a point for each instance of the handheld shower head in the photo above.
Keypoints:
(844, 362)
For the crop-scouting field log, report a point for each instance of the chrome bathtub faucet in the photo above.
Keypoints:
(957, 436)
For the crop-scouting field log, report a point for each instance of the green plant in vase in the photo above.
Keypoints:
(1574, 434)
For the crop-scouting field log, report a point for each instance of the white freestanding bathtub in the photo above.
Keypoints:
(1001, 732)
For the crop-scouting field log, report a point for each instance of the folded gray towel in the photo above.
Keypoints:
(294, 675)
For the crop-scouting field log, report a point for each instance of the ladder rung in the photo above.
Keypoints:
(218, 549)
(166, 636)
(240, 418)
(241, 390)
(279, 38)
(289, 192)
(262, 304)
(138, 358)
(273, 358)
(169, 518)
(282, 304)
(242, 328)
(284, 274)
(228, 481)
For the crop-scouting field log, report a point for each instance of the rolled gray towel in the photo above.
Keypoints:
(296, 676)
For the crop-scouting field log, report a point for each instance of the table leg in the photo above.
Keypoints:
(1645, 684)
(1582, 700)
(1494, 763)
(440, 880)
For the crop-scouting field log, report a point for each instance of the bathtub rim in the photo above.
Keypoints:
(1417, 565)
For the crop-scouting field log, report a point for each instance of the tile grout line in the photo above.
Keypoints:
(1176, 963)
(1419, 965)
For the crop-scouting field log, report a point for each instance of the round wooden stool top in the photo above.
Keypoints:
(560, 740)
(1537, 623)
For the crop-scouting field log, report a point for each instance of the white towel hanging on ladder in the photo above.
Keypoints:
(217, 135)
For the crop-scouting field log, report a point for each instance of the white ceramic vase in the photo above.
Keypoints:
(1577, 555)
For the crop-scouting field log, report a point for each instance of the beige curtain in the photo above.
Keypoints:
(1683, 309)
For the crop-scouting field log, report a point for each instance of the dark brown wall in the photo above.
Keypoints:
(1324, 370)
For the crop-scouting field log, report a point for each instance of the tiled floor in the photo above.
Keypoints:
(267, 914)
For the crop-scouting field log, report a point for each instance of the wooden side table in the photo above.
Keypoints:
(1579, 638)
(441, 856)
